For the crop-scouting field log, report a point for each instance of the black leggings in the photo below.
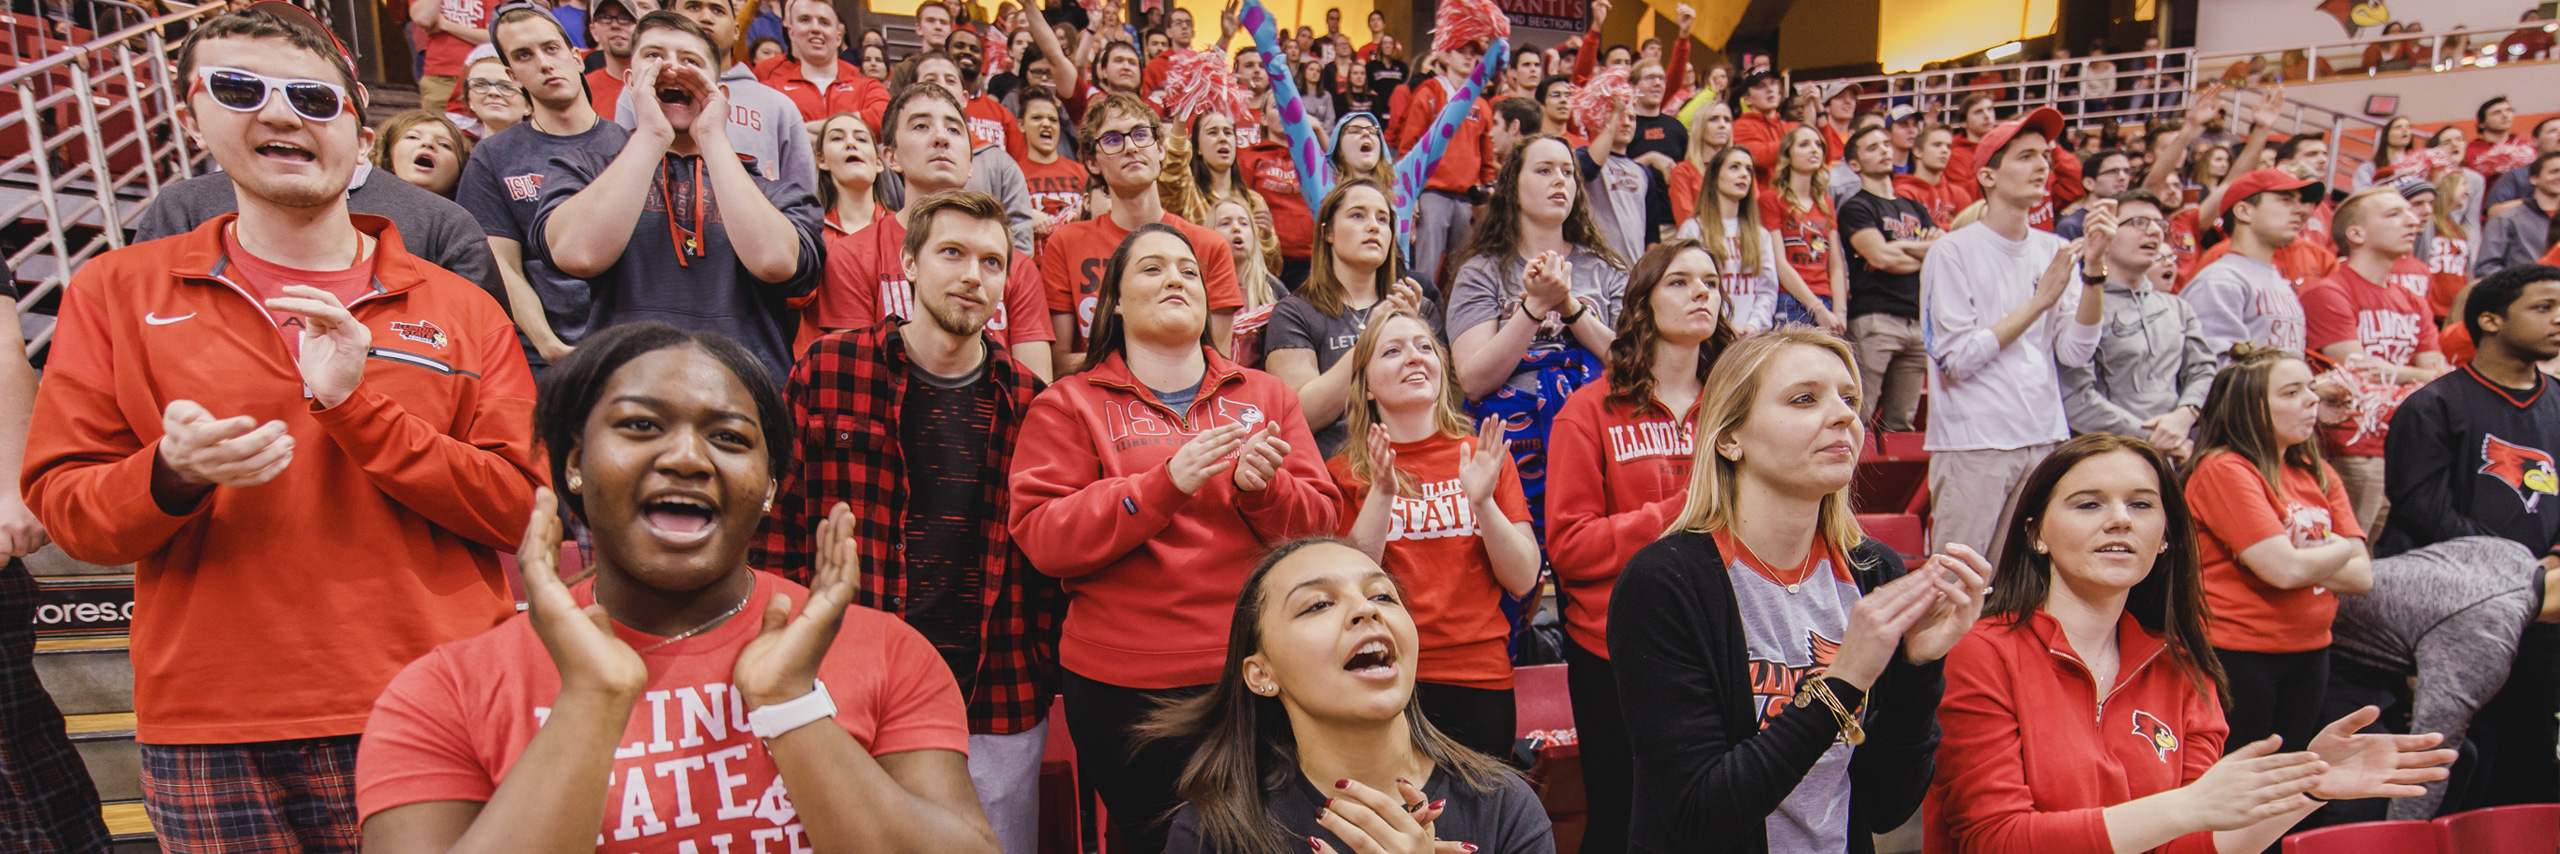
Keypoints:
(2515, 729)
(1608, 759)
(1486, 720)
(1136, 786)
(2275, 693)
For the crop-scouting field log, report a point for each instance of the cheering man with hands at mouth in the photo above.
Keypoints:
(677, 228)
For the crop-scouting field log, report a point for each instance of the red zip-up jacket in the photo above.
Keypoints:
(280, 611)
(2030, 757)
(1616, 475)
(1152, 574)
(1758, 133)
(1465, 162)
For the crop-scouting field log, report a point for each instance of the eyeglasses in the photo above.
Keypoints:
(1116, 142)
(2144, 223)
(478, 85)
(247, 92)
(1360, 127)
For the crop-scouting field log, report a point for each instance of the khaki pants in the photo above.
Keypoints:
(1893, 368)
(433, 91)
(1973, 493)
(2362, 477)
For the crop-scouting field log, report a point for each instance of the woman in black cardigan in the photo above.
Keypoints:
(1782, 667)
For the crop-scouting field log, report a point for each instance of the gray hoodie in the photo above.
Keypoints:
(764, 126)
(2151, 359)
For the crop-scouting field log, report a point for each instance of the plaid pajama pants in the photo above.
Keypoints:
(276, 796)
(47, 804)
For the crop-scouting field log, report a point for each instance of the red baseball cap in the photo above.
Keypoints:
(2042, 120)
(2272, 181)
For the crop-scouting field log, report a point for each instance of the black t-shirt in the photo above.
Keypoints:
(942, 432)
(1659, 135)
(1505, 820)
(2468, 458)
(1873, 291)
(1296, 324)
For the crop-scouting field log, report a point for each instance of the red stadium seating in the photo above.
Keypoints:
(1545, 710)
(2372, 837)
(2522, 829)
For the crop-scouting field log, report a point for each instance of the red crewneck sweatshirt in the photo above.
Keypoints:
(1616, 475)
(2030, 756)
(1152, 574)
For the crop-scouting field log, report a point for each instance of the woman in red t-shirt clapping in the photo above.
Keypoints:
(2081, 714)
(2276, 537)
(828, 727)
(1446, 517)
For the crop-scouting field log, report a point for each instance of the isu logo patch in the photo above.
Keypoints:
(1246, 414)
(2528, 471)
(423, 332)
(523, 188)
(2155, 732)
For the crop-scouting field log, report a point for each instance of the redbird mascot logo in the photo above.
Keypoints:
(2527, 471)
(2157, 732)
(2355, 15)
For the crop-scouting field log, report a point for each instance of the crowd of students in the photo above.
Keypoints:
(1254, 437)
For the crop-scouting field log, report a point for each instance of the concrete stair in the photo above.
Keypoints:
(82, 658)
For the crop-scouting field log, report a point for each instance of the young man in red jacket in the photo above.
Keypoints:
(1443, 216)
(1759, 128)
(816, 80)
(309, 442)
(922, 416)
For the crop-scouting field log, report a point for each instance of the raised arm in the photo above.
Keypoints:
(1414, 168)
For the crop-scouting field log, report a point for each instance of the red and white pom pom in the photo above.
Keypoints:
(2503, 156)
(1600, 96)
(2427, 163)
(2370, 400)
(1199, 82)
(1463, 21)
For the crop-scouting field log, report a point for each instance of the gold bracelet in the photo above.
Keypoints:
(1814, 688)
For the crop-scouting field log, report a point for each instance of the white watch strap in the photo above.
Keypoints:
(771, 721)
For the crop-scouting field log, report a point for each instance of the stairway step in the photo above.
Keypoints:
(129, 828)
(86, 676)
(106, 745)
(50, 560)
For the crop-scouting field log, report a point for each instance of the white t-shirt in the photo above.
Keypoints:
(1984, 396)
(1753, 294)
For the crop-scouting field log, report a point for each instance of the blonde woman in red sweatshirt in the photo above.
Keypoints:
(1437, 501)
(1617, 472)
(1150, 481)
(2082, 715)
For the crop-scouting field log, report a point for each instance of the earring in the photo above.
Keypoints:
(1266, 690)
(2040, 549)
(575, 483)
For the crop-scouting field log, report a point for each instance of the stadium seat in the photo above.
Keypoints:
(2521, 829)
(1903, 532)
(2372, 837)
(1548, 742)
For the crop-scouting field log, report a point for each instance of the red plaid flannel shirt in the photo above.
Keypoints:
(846, 396)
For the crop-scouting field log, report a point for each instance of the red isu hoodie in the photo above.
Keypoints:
(280, 611)
(2030, 757)
(1152, 574)
(1616, 475)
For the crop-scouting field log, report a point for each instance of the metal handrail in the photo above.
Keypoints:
(2478, 50)
(82, 112)
(2141, 84)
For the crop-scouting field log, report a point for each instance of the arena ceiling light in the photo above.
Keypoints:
(2004, 51)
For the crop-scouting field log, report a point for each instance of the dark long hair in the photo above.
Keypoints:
(1631, 350)
(1201, 174)
(1108, 336)
(1322, 289)
(576, 383)
(1248, 750)
(1498, 233)
(2169, 600)
(2236, 420)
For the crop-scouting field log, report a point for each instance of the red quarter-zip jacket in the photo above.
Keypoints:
(280, 611)
(2030, 757)
(1616, 475)
(1152, 574)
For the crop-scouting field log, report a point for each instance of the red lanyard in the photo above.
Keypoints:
(687, 241)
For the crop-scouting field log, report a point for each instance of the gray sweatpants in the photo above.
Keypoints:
(1006, 771)
(2450, 615)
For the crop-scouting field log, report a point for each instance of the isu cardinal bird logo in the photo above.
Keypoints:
(2356, 15)
(1246, 414)
(2527, 471)
(423, 332)
(2156, 732)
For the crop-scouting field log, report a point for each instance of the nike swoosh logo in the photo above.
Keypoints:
(157, 320)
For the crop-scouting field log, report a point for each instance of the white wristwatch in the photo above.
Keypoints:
(769, 722)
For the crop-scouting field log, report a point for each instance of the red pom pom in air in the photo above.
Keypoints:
(1462, 21)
